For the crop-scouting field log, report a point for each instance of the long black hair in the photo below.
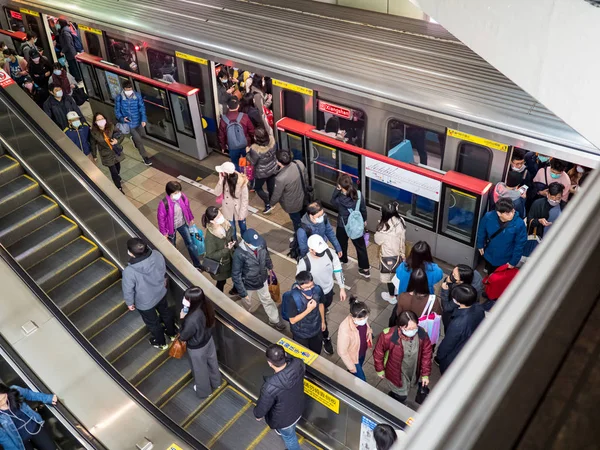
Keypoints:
(358, 310)
(211, 214)
(389, 210)
(384, 436)
(418, 283)
(230, 179)
(419, 256)
(197, 299)
(15, 400)
(345, 182)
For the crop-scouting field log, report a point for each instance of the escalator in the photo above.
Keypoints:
(86, 286)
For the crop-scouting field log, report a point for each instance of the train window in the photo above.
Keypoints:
(122, 54)
(474, 160)
(90, 83)
(293, 105)
(193, 77)
(325, 163)
(183, 117)
(160, 119)
(15, 20)
(162, 66)
(459, 215)
(93, 44)
(427, 145)
(110, 84)
(342, 123)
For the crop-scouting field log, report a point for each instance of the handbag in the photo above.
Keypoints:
(79, 96)
(389, 264)
(123, 128)
(178, 348)
(533, 240)
(497, 282)
(274, 288)
(219, 200)
(430, 321)
(211, 266)
(422, 394)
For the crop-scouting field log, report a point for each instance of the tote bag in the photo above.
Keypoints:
(430, 321)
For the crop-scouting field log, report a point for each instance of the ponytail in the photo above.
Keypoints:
(211, 214)
(358, 310)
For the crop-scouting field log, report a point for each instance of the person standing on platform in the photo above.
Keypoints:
(235, 132)
(220, 245)
(15, 66)
(390, 236)
(39, 68)
(262, 155)
(80, 134)
(35, 93)
(281, 400)
(58, 105)
(290, 186)
(67, 47)
(355, 336)
(29, 46)
(233, 187)
(418, 258)
(315, 221)
(461, 274)
(130, 112)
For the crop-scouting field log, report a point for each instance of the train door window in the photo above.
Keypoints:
(427, 145)
(325, 163)
(162, 66)
(160, 118)
(459, 217)
(193, 77)
(183, 117)
(15, 20)
(343, 123)
(122, 54)
(474, 160)
(293, 105)
(93, 44)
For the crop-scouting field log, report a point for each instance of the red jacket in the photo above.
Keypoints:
(246, 124)
(390, 341)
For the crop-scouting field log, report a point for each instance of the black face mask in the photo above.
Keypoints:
(320, 255)
(452, 279)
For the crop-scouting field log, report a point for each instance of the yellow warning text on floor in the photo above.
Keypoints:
(191, 58)
(477, 140)
(292, 87)
(89, 29)
(174, 447)
(30, 12)
(322, 396)
(295, 349)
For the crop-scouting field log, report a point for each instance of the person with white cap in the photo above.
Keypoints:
(79, 132)
(324, 265)
(249, 273)
(233, 187)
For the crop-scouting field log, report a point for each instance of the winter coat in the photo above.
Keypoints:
(310, 326)
(345, 204)
(507, 246)
(432, 270)
(255, 116)
(414, 303)
(143, 280)
(390, 341)
(26, 49)
(448, 306)
(281, 400)
(131, 107)
(325, 230)
(540, 209)
(38, 71)
(502, 191)
(217, 251)
(348, 342)
(38, 95)
(193, 329)
(65, 80)
(65, 40)
(57, 110)
(234, 207)
(249, 272)
(80, 137)
(10, 439)
(107, 154)
(246, 124)
(391, 242)
(166, 216)
(463, 324)
(288, 188)
(263, 159)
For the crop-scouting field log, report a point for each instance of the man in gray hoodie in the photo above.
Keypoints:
(145, 289)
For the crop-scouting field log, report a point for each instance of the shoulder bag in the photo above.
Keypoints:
(389, 264)
(503, 225)
(211, 266)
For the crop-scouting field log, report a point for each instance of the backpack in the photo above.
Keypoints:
(77, 43)
(285, 314)
(295, 246)
(355, 226)
(306, 259)
(236, 138)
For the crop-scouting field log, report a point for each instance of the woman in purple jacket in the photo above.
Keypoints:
(175, 214)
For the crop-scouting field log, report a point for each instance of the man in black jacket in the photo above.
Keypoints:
(544, 211)
(281, 400)
(58, 105)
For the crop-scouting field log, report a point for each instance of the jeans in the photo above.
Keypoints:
(360, 373)
(241, 224)
(115, 172)
(136, 136)
(184, 231)
(359, 245)
(235, 154)
(289, 437)
(153, 321)
(40, 441)
(258, 184)
(296, 219)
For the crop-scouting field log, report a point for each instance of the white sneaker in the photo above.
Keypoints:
(389, 298)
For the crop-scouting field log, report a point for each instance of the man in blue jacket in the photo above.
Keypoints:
(130, 110)
(501, 236)
(315, 222)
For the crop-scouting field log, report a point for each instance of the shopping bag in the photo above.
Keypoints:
(496, 282)
(430, 321)
(274, 288)
(178, 348)
(246, 168)
(198, 240)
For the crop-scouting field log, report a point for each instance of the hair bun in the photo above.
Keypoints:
(352, 300)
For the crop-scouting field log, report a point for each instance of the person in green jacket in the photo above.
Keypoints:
(220, 245)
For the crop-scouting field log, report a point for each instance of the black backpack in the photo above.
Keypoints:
(306, 259)
(294, 246)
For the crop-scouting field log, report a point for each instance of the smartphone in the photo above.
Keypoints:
(523, 189)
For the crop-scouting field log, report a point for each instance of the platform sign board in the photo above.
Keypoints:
(5, 79)
(295, 349)
(403, 179)
(322, 396)
(114, 84)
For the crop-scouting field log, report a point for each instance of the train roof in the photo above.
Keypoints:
(391, 58)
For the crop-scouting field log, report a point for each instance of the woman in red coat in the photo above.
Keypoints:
(403, 356)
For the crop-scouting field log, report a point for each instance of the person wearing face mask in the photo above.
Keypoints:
(545, 211)
(262, 100)
(415, 298)
(262, 156)
(465, 320)
(60, 77)
(233, 186)
(175, 215)
(58, 105)
(39, 96)
(79, 133)
(130, 112)
(554, 173)
(225, 89)
(461, 274)
(390, 236)
(517, 162)
(409, 355)
(249, 273)
(220, 245)
(21, 427)
(39, 68)
(315, 221)
(29, 45)
(510, 189)
(144, 285)
(66, 40)
(324, 265)
(15, 65)
(576, 174)
(235, 132)
(106, 140)
(355, 336)
(290, 186)
(198, 318)
(305, 311)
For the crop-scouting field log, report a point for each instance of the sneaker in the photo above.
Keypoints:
(268, 209)
(155, 344)
(389, 298)
(147, 161)
(279, 326)
(328, 346)
(172, 338)
(364, 273)
(122, 192)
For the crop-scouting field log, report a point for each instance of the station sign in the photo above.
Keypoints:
(340, 111)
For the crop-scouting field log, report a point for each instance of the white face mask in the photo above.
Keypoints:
(580, 169)
(76, 123)
(128, 93)
(176, 196)
(410, 333)
(130, 254)
(219, 220)
(57, 72)
(320, 219)
(517, 169)
(360, 322)
(28, 85)
(101, 123)
(58, 94)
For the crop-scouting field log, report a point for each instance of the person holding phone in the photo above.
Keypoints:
(544, 211)
(220, 245)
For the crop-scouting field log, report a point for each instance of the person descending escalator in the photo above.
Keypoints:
(385, 437)
(58, 105)
(106, 140)
(79, 133)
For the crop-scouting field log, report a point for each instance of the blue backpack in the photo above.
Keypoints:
(284, 305)
(236, 138)
(355, 226)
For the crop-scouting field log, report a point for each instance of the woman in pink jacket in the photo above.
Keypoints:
(355, 337)
(174, 214)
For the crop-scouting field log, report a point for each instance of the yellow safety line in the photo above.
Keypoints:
(49, 198)
(28, 177)
(89, 242)
(65, 217)
(31, 218)
(241, 394)
(81, 270)
(258, 438)
(82, 256)
(228, 425)
(301, 439)
(187, 374)
(204, 405)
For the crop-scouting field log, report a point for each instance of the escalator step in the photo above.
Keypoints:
(17, 192)
(139, 361)
(44, 241)
(100, 311)
(64, 263)
(217, 415)
(243, 432)
(120, 335)
(84, 285)
(166, 380)
(182, 406)
(27, 218)
(9, 169)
